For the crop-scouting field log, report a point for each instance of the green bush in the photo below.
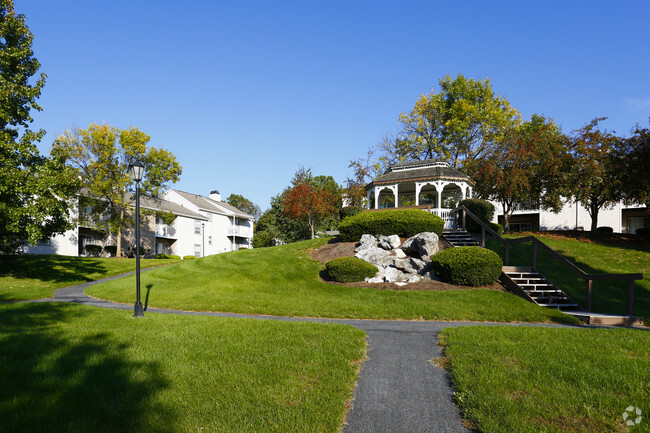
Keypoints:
(402, 222)
(483, 209)
(111, 249)
(189, 257)
(167, 256)
(643, 231)
(605, 229)
(350, 269)
(497, 228)
(349, 211)
(173, 256)
(263, 239)
(467, 266)
(93, 249)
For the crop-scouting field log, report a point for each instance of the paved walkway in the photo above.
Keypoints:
(399, 389)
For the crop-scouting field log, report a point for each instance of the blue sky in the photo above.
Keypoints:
(246, 92)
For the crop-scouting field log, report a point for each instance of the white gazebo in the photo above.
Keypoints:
(430, 185)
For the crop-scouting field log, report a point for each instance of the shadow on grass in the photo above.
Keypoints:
(59, 269)
(608, 296)
(58, 380)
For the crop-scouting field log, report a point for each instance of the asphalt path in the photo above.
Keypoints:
(399, 390)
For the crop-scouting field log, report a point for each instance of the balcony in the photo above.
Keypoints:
(165, 231)
(243, 232)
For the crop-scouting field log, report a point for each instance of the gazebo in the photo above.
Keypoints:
(430, 185)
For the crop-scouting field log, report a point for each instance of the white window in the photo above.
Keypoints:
(197, 227)
(197, 250)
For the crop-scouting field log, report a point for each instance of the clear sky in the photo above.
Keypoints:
(246, 92)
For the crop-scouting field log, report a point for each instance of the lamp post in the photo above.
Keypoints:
(136, 170)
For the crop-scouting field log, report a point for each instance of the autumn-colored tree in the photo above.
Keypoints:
(101, 154)
(529, 165)
(459, 124)
(311, 199)
(595, 179)
(33, 189)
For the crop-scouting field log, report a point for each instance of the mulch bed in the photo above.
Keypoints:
(337, 248)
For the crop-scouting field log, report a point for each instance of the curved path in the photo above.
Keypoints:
(399, 389)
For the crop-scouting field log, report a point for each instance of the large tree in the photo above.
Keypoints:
(101, 154)
(33, 189)
(529, 165)
(632, 162)
(595, 179)
(244, 204)
(460, 124)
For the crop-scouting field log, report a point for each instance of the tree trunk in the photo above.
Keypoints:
(118, 253)
(594, 216)
(311, 223)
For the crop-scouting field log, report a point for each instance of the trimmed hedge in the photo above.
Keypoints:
(402, 222)
(111, 249)
(189, 257)
(467, 266)
(643, 231)
(95, 250)
(483, 209)
(497, 228)
(605, 229)
(350, 269)
(349, 211)
(167, 256)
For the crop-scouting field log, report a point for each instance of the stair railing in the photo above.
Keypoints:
(537, 244)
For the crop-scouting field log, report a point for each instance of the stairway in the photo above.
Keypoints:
(533, 286)
(460, 238)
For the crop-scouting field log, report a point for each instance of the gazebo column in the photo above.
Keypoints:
(368, 200)
(418, 188)
(395, 189)
(376, 198)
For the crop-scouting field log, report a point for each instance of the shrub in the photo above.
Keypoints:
(467, 266)
(349, 211)
(189, 257)
(93, 250)
(111, 249)
(643, 231)
(483, 209)
(497, 228)
(173, 256)
(402, 222)
(350, 269)
(263, 239)
(605, 229)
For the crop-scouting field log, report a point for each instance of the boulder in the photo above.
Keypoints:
(367, 242)
(399, 253)
(373, 255)
(423, 244)
(388, 242)
(392, 274)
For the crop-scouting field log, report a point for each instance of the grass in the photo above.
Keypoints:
(38, 276)
(71, 368)
(593, 258)
(284, 281)
(523, 379)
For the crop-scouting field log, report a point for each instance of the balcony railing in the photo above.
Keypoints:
(165, 231)
(244, 232)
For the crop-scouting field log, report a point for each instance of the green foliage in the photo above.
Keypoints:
(93, 250)
(350, 269)
(483, 209)
(402, 222)
(605, 229)
(263, 239)
(632, 164)
(100, 155)
(33, 189)
(467, 266)
(168, 256)
(349, 211)
(111, 249)
(457, 124)
(497, 228)
(244, 205)
(189, 257)
(643, 231)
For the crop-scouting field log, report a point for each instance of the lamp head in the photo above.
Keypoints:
(136, 170)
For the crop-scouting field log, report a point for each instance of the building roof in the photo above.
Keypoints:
(412, 171)
(166, 206)
(213, 206)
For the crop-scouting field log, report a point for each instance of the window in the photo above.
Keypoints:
(197, 227)
(197, 250)
(209, 240)
(44, 243)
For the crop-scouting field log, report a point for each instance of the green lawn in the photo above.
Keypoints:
(38, 276)
(284, 281)
(552, 380)
(71, 368)
(593, 258)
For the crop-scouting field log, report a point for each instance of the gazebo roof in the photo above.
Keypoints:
(413, 171)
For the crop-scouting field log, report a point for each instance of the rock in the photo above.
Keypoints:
(414, 279)
(400, 253)
(392, 274)
(372, 255)
(367, 242)
(405, 265)
(400, 283)
(388, 242)
(423, 244)
(376, 279)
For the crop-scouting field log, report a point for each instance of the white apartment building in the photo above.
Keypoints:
(202, 226)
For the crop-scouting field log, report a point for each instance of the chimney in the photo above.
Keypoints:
(214, 195)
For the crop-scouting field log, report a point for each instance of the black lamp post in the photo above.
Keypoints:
(136, 170)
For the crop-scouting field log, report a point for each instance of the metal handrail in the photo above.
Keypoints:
(536, 243)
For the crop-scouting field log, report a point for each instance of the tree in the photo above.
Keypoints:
(244, 204)
(460, 124)
(100, 155)
(311, 199)
(595, 180)
(33, 189)
(632, 163)
(530, 164)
